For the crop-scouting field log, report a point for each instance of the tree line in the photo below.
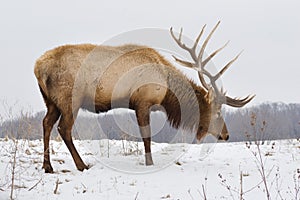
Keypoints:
(267, 121)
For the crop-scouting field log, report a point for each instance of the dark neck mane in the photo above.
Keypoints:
(181, 102)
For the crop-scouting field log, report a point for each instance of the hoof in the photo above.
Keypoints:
(81, 168)
(48, 168)
(148, 158)
(149, 163)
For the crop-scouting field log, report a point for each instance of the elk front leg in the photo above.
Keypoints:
(143, 118)
(48, 122)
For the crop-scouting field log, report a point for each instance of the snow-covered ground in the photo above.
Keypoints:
(181, 171)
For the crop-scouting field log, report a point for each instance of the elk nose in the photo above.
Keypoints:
(227, 137)
(224, 138)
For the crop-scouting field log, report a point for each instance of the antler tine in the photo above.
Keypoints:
(182, 62)
(178, 40)
(198, 38)
(182, 45)
(238, 102)
(218, 75)
(180, 34)
(200, 55)
(213, 54)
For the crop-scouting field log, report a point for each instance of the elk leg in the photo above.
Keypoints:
(143, 118)
(48, 122)
(65, 129)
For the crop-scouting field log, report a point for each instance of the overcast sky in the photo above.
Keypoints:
(267, 31)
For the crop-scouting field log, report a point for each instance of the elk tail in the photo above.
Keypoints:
(42, 79)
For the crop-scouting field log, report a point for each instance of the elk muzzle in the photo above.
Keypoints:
(224, 137)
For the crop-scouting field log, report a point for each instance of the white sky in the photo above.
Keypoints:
(267, 31)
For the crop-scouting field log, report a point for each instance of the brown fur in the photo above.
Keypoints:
(100, 78)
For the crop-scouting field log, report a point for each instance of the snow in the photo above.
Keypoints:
(181, 171)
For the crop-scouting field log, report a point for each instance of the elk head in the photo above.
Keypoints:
(211, 120)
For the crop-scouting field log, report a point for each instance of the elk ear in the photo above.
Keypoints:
(210, 96)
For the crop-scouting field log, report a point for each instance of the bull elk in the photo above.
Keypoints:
(101, 78)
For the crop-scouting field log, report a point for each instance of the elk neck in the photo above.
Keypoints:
(183, 102)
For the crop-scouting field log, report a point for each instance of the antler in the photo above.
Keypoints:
(199, 64)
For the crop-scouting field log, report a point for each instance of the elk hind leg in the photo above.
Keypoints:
(65, 129)
(48, 123)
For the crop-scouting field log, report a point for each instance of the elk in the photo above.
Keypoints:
(101, 78)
